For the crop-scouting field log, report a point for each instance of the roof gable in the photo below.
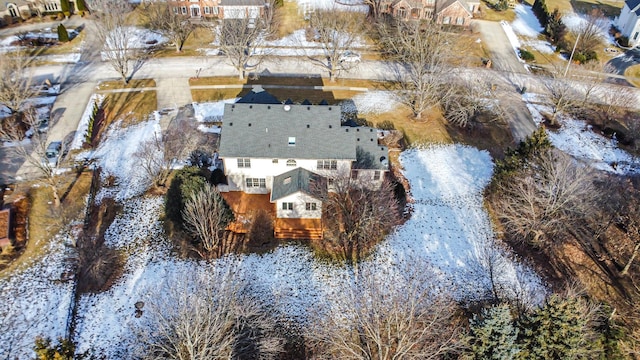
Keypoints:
(450, 3)
(291, 182)
(634, 5)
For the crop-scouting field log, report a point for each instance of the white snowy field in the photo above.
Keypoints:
(36, 301)
(577, 139)
(527, 26)
(136, 38)
(449, 235)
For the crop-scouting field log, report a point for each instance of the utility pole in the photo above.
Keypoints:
(571, 57)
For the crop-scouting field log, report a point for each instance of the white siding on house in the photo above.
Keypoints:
(267, 169)
(299, 211)
(629, 25)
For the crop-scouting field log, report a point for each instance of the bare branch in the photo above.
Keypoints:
(239, 43)
(15, 81)
(171, 24)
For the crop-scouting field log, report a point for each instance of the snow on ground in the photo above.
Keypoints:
(575, 22)
(70, 58)
(36, 301)
(305, 6)
(449, 234)
(211, 111)
(115, 155)
(371, 102)
(526, 22)
(577, 139)
(139, 38)
(511, 35)
(83, 125)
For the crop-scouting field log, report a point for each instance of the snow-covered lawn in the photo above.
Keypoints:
(137, 38)
(115, 155)
(211, 111)
(371, 103)
(449, 235)
(526, 22)
(577, 139)
(36, 301)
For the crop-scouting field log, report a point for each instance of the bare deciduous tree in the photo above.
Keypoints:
(209, 318)
(206, 215)
(561, 94)
(547, 198)
(422, 51)
(159, 155)
(357, 215)
(113, 31)
(34, 151)
(394, 316)
(468, 98)
(336, 32)
(591, 31)
(175, 26)
(16, 85)
(240, 40)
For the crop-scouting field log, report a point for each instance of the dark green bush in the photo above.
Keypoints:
(386, 125)
(187, 181)
(526, 55)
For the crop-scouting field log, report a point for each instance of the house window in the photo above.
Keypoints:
(431, 2)
(292, 141)
(256, 183)
(376, 175)
(274, 161)
(310, 206)
(291, 162)
(215, 10)
(415, 13)
(51, 6)
(446, 20)
(354, 174)
(13, 11)
(183, 9)
(244, 163)
(207, 10)
(176, 10)
(635, 37)
(401, 13)
(327, 164)
(287, 206)
(460, 21)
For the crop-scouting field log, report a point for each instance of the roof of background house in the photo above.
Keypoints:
(264, 131)
(291, 182)
(447, 3)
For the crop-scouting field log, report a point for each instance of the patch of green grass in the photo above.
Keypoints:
(201, 37)
(492, 15)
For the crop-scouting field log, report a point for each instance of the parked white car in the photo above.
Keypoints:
(350, 57)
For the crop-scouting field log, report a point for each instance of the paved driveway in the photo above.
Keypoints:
(495, 41)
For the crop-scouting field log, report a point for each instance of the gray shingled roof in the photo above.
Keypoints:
(263, 131)
(632, 4)
(367, 140)
(291, 182)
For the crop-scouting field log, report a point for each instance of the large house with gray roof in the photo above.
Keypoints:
(280, 150)
(629, 21)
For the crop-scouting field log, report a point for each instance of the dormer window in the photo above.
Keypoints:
(292, 141)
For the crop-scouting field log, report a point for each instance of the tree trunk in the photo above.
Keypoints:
(633, 256)
(240, 74)
(54, 192)
(178, 46)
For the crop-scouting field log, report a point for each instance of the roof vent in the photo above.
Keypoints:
(230, 124)
(287, 180)
(268, 106)
(287, 107)
(250, 106)
(233, 106)
(330, 126)
(308, 126)
(249, 124)
(308, 107)
(329, 107)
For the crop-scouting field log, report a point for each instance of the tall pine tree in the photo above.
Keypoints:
(63, 35)
(494, 334)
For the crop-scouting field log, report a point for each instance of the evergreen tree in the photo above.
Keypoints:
(186, 182)
(559, 330)
(541, 11)
(65, 7)
(63, 35)
(494, 334)
(556, 30)
(81, 7)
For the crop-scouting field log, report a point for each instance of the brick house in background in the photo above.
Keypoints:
(13, 10)
(447, 12)
(219, 9)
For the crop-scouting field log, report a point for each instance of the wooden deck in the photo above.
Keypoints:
(245, 205)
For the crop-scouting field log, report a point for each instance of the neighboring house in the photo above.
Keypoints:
(221, 9)
(453, 12)
(281, 150)
(16, 9)
(629, 21)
